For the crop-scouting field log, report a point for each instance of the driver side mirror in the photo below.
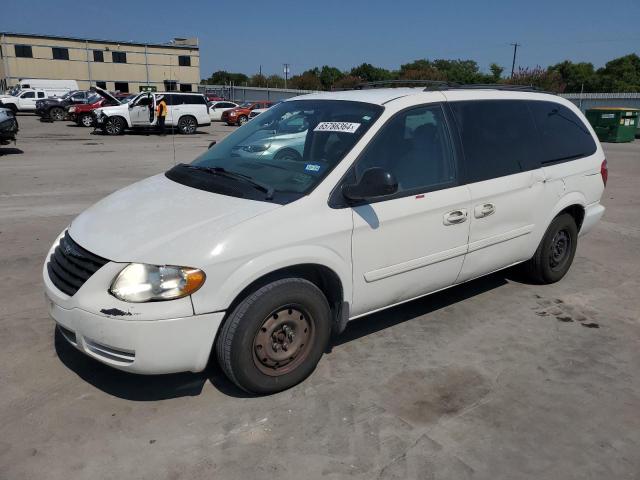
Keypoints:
(375, 183)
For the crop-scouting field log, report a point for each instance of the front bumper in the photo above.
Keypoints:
(147, 346)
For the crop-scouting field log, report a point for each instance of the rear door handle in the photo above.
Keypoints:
(484, 210)
(455, 217)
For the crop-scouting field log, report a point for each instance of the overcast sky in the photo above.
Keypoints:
(241, 36)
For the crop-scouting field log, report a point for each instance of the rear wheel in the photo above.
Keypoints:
(113, 126)
(86, 120)
(187, 125)
(57, 114)
(275, 337)
(554, 255)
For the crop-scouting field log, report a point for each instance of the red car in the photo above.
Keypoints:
(240, 114)
(213, 98)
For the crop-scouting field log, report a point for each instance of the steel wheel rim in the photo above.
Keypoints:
(559, 250)
(283, 341)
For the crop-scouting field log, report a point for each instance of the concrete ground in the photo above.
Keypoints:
(492, 379)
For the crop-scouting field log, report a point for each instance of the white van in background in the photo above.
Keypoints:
(63, 86)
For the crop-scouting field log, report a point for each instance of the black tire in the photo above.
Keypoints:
(113, 126)
(287, 154)
(187, 125)
(242, 119)
(85, 120)
(554, 255)
(238, 345)
(57, 114)
(11, 107)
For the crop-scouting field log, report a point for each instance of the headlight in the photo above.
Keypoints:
(139, 282)
(72, 109)
(256, 148)
(232, 114)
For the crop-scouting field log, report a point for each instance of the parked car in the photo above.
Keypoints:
(240, 115)
(25, 100)
(398, 193)
(213, 98)
(185, 111)
(216, 109)
(56, 108)
(257, 111)
(8, 126)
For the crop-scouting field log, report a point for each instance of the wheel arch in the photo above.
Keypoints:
(574, 204)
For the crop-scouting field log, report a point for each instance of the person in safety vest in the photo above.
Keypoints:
(161, 110)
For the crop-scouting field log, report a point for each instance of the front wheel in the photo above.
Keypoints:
(56, 114)
(113, 126)
(554, 255)
(86, 120)
(275, 337)
(242, 120)
(187, 125)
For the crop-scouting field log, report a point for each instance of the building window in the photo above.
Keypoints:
(24, 51)
(119, 57)
(60, 53)
(184, 60)
(98, 56)
(102, 85)
(122, 87)
(185, 87)
(170, 85)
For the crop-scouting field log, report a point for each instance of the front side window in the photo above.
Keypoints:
(284, 153)
(498, 138)
(28, 95)
(563, 135)
(416, 147)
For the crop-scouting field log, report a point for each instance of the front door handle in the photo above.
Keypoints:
(484, 210)
(455, 217)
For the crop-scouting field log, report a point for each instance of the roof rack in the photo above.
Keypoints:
(445, 85)
(428, 84)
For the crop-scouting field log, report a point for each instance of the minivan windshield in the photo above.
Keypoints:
(283, 153)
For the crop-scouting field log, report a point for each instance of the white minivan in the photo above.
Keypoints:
(398, 193)
(185, 111)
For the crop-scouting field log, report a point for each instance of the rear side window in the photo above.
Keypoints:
(499, 138)
(563, 135)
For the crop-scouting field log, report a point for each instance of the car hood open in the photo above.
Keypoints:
(159, 221)
(106, 95)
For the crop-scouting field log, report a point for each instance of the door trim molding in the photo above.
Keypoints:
(502, 237)
(414, 264)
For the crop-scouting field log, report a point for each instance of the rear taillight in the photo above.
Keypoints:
(604, 171)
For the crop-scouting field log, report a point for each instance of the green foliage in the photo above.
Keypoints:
(619, 75)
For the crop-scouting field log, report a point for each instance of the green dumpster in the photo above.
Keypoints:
(614, 124)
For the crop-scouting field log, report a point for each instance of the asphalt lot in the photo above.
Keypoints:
(492, 379)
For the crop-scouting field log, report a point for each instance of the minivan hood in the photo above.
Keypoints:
(159, 221)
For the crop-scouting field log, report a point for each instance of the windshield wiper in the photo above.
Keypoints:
(269, 190)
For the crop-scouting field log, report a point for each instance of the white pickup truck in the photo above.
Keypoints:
(25, 100)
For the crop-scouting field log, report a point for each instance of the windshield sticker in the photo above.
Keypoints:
(344, 127)
(312, 167)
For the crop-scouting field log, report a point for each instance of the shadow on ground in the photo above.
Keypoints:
(10, 151)
(161, 387)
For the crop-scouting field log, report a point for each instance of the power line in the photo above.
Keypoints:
(515, 50)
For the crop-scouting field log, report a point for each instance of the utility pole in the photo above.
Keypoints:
(286, 74)
(515, 50)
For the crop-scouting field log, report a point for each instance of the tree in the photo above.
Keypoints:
(621, 74)
(496, 72)
(275, 81)
(258, 80)
(577, 76)
(538, 77)
(369, 73)
(329, 76)
(348, 81)
(308, 80)
(222, 77)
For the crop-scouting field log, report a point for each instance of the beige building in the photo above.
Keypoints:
(115, 66)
